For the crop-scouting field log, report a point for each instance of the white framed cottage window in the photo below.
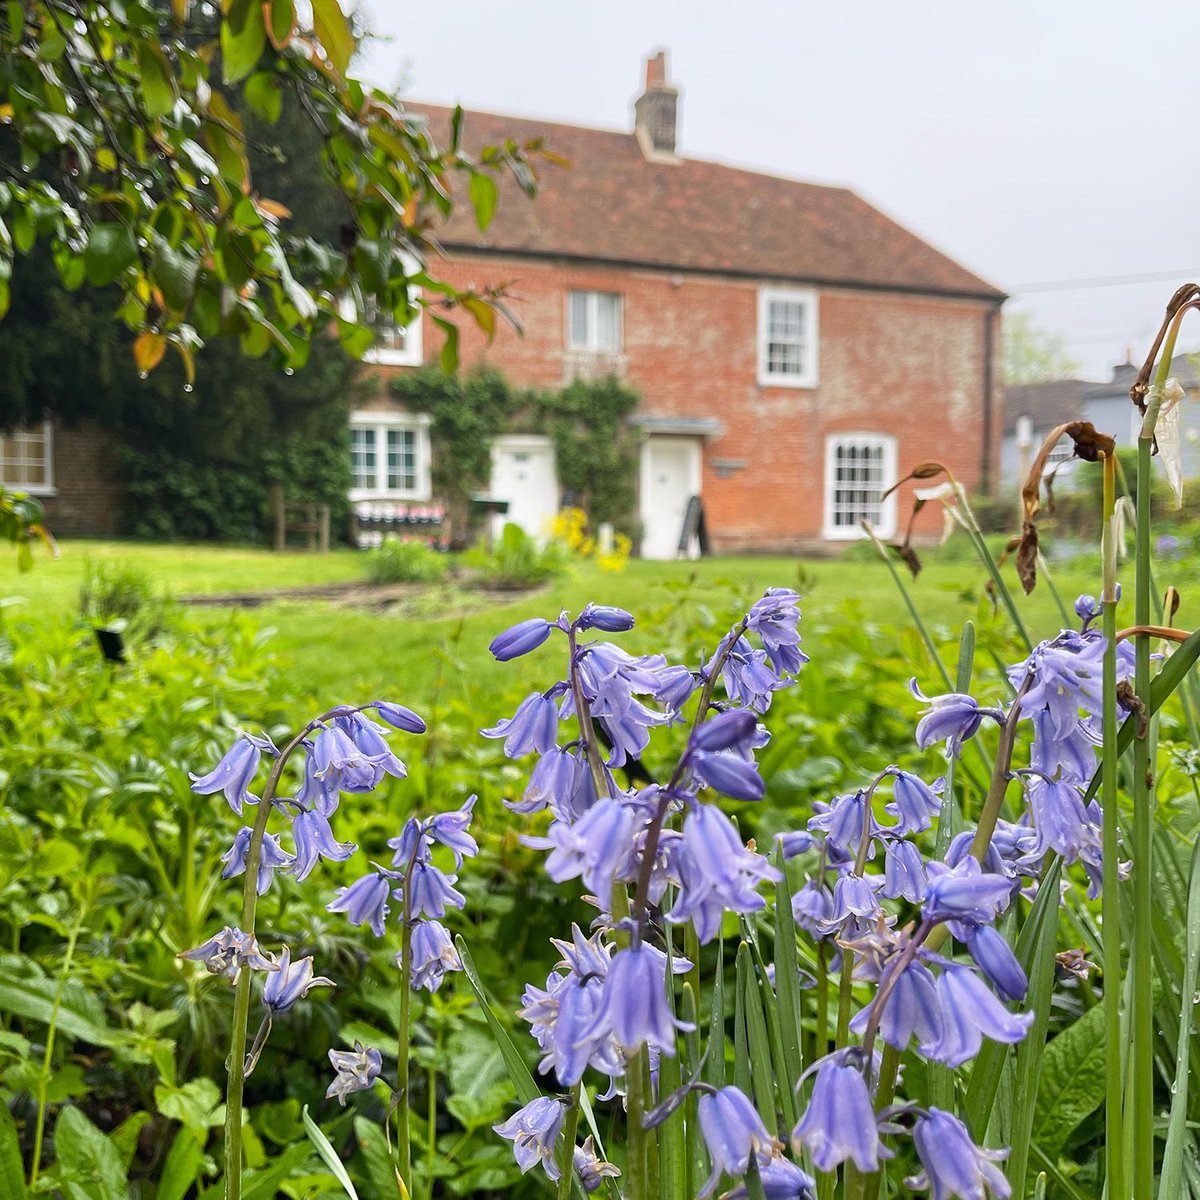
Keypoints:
(389, 456)
(859, 468)
(787, 337)
(594, 322)
(27, 460)
(395, 345)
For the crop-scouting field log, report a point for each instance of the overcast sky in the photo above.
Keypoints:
(1036, 141)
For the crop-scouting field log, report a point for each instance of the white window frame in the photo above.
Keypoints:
(886, 525)
(413, 352)
(592, 322)
(803, 379)
(47, 487)
(381, 423)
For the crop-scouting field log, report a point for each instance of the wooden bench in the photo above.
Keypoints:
(299, 516)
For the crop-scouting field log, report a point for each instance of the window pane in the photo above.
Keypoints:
(577, 322)
(857, 483)
(594, 321)
(608, 322)
(401, 460)
(786, 337)
(25, 458)
(362, 458)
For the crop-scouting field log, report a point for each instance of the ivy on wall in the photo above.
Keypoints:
(595, 447)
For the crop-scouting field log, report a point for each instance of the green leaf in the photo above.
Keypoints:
(282, 23)
(196, 1104)
(24, 994)
(714, 1062)
(88, 1158)
(174, 272)
(483, 194)
(158, 85)
(334, 33)
(111, 250)
(181, 1167)
(243, 39)
(264, 95)
(355, 339)
(787, 976)
(328, 1154)
(1072, 1084)
(12, 1170)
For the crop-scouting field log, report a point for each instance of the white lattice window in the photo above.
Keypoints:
(787, 338)
(594, 322)
(389, 457)
(26, 460)
(859, 468)
(395, 344)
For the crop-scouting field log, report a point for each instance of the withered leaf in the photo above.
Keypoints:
(908, 556)
(1027, 553)
(926, 470)
(1171, 603)
(1090, 444)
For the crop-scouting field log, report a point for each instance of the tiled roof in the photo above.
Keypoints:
(612, 204)
(1045, 404)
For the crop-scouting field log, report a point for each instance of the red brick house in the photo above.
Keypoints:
(795, 349)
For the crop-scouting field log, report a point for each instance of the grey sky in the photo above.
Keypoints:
(1032, 140)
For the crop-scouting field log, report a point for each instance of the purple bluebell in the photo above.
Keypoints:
(675, 685)
(970, 1012)
(1070, 756)
(592, 1171)
(314, 840)
(356, 1069)
(234, 774)
(965, 893)
(904, 873)
(450, 829)
(520, 639)
(431, 890)
(272, 857)
(410, 844)
(633, 1005)
(996, 960)
(1087, 609)
(732, 1131)
(749, 678)
(316, 791)
(378, 756)
(779, 1179)
(433, 954)
(1060, 818)
(230, 952)
(775, 618)
(843, 821)
(562, 780)
(717, 872)
(1066, 674)
(365, 901)
(293, 981)
(341, 762)
(399, 717)
(911, 1008)
(914, 804)
(955, 1168)
(853, 896)
(839, 1123)
(598, 847)
(725, 731)
(729, 773)
(534, 726)
(952, 718)
(533, 1131)
(793, 844)
(812, 907)
(605, 618)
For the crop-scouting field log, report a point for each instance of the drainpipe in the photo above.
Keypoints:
(990, 322)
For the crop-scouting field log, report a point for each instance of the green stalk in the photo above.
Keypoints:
(566, 1161)
(1111, 900)
(403, 1134)
(48, 1056)
(431, 1133)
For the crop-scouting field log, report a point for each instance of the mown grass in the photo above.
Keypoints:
(438, 639)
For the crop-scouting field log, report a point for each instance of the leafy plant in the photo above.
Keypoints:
(401, 560)
(516, 560)
(115, 595)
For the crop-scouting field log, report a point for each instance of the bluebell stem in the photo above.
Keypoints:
(293, 981)
(235, 773)
(533, 1131)
(230, 952)
(520, 639)
(365, 901)
(954, 1166)
(433, 954)
(840, 1122)
(356, 1071)
(272, 858)
(733, 1131)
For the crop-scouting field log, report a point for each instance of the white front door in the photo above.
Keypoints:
(523, 473)
(670, 478)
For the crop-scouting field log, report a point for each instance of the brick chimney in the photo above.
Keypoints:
(656, 111)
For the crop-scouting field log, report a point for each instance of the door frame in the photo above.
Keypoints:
(694, 445)
(531, 442)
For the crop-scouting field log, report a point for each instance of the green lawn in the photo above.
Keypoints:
(337, 653)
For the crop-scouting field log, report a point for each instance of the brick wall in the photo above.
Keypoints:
(908, 366)
(88, 491)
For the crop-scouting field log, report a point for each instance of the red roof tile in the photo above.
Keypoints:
(612, 204)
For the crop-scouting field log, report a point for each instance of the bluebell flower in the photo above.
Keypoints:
(293, 981)
(853, 896)
(230, 952)
(234, 774)
(598, 847)
(365, 901)
(812, 907)
(733, 1131)
(1087, 609)
(729, 773)
(314, 840)
(1060, 818)
(271, 858)
(356, 1069)
(780, 1180)
(953, 718)
(965, 893)
(633, 1005)
(996, 960)
(904, 873)
(970, 1012)
(411, 844)
(433, 954)
(591, 1170)
(316, 791)
(342, 763)
(399, 717)
(775, 619)
(839, 1123)
(912, 1009)
(717, 872)
(954, 1166)
(379, 758)
(605, 618)
(431, 890)
(914, 803)
(534, 726)
(794, 844)
(750, 679)
(842, 822)
(1071, 756)
(726, 731)
(533, 1131)
(561, 779)
(674, 686)
(572, 1040)
(1067, 674)
(450, 829)
(520, 639)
